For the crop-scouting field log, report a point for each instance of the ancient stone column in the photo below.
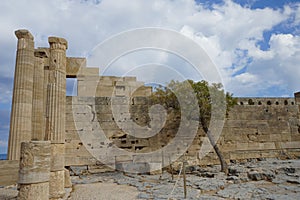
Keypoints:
(38, 122)
(34, 173)
(46, 107)
(297, 99)
(55, 119)
(55, 130)
(20, 124)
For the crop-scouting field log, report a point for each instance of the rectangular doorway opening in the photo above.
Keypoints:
(71, 89)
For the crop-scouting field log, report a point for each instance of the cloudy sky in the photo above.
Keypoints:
(255, 44)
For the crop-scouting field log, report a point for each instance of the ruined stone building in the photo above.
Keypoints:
(41, 112)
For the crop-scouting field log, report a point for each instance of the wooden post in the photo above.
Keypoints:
(184, 178)
(171, 166)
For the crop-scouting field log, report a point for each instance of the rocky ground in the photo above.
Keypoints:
(267, 179)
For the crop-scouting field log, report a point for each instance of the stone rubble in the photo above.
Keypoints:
(269, 179)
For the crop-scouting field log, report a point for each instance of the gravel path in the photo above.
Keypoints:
(105, 191)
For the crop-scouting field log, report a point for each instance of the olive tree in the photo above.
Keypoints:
(206, 95)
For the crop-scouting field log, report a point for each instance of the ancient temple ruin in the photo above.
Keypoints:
(46, 126)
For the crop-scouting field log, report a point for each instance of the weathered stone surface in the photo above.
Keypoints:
(22, 95)
(38, 110)
(34, 191)
(164, 187)
(58, 40)
(74, 65)
(210, 184)
(9, 172)
(68, 182)
(35, 162)
(133, 167)
(23, 33)
(56, 103)
(55, 115)
(57, 157)
(57, 181)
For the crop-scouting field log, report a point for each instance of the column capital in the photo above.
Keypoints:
(23, 33)
(58, 43)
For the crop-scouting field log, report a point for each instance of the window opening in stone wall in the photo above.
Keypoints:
(292, 103)
(277, 103)
(120, 90)
(250, 102)
(123, 141)
(269, 103)
(241, 103)
(71, 88)
(259, 103)
(285, 102)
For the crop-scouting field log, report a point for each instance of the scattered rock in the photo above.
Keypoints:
(209, 184)
(255, 175)
(289, 170)
(258, 175)
(294, 181)
(144, 196)
(243, 182)
(78, 170)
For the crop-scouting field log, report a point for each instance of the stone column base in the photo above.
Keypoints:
(34, 191)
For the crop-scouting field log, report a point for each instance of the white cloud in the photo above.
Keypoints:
(285, 46)
(229, 33)
(224, 31)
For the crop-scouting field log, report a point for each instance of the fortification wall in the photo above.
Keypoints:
(256, 128)
(262, 127)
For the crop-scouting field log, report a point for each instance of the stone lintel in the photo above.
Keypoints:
(58, 40)
(74, 65)
(90, 71)
(23, 33)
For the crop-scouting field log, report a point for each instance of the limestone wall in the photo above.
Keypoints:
(254, 129)
(262, 127)
(110, 116)
(110, 86)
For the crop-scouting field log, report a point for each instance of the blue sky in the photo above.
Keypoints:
(255, 44)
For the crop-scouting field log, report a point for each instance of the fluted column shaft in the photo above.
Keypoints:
(21, 112)
(38, 125)
(55, 130)
(55, 116)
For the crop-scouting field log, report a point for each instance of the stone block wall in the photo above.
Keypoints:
(121, 120)
(260, 127)
(254, 128)
(110, 86)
